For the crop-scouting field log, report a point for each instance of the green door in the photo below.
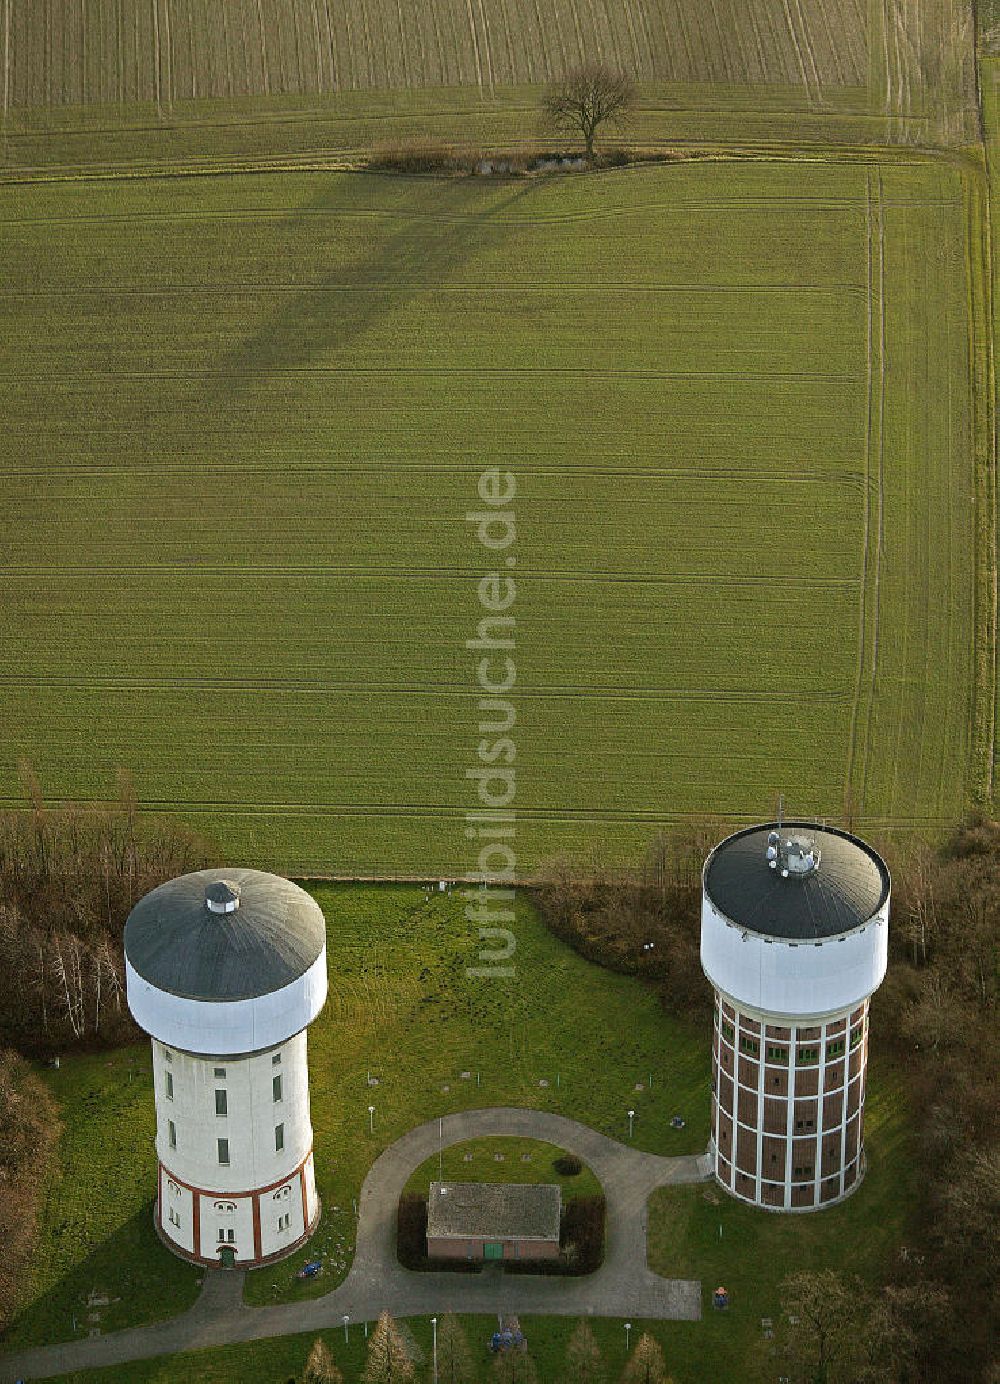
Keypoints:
(227, 1256)
(492, 1251)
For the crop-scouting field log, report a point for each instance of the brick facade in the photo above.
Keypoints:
(788, 1107)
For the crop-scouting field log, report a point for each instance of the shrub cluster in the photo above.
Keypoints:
(568, 1165)
(644, 924)
(411, 1230)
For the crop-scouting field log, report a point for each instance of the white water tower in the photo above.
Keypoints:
(794, 940)
(225, 969)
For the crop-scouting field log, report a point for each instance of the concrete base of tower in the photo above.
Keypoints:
(219, 1262)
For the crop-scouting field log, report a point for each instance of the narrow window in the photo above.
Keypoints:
(276, 1060)
(856, 1035)
(168, 1054)
(171, 1134)
(230, 1235)
(220, 1072)
(279, 1138)
(276, 1088)
(224, 1152)
(221, 1103)
(222, 1235)
(170, 1085)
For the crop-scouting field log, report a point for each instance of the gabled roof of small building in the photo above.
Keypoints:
(494, 1211)
(224, 934)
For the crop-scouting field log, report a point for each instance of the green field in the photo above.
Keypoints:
(167, 81)
(245, 421)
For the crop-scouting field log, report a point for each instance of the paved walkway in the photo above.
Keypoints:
(622, 1287)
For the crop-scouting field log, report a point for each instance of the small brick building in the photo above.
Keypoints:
(483, 1221)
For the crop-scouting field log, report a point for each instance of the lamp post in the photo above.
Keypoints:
(371, 1119)
(434, 1327)
(628, 1328)
(346, 1321)
(631, 1117)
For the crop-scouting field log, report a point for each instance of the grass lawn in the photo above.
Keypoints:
(699, 1232)
(96, 1224)
(716, 384)
(504, 1160)
(273, 1361)
(403, 1011)
(561, 1035)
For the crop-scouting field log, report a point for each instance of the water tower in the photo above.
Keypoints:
(224, 970)
(794, 939)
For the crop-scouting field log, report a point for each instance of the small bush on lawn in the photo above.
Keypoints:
(568, 1165)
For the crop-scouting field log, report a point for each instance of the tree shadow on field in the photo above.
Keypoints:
(445, 223)
(129, 1279)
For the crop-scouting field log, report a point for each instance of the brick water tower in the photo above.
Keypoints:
(794, 939)
(225, 969)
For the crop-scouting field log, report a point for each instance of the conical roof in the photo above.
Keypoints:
(224, 934)
(823, 882)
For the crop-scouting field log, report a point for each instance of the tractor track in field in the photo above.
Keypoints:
(453, 372)
(870, 562)
(388, 574)
(511, 289)
(880, 488)
(604, 693)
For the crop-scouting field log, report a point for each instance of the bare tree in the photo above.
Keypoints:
(821, 1330)
(455, 1364)
(646, 1364)
(514, 1367)
(587, 98)
(320, 1368)
(583, 1357)
(388, 1361)
(68, 879)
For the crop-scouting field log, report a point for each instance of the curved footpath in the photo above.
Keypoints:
(623, 1286)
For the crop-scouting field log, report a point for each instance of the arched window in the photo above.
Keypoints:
(226, 1207)
(173, 1188)
(281, 1194)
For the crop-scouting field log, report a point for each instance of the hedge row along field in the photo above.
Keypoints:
(121, 81)
(245, 421)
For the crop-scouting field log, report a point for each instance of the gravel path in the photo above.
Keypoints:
(622, 1287)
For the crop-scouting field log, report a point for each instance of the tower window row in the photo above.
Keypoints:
(221, 1095)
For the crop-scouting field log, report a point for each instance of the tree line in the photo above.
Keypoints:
(390, 1362)
(69, 876)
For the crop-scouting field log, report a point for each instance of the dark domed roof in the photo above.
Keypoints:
(227, 934)
(823, 881)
